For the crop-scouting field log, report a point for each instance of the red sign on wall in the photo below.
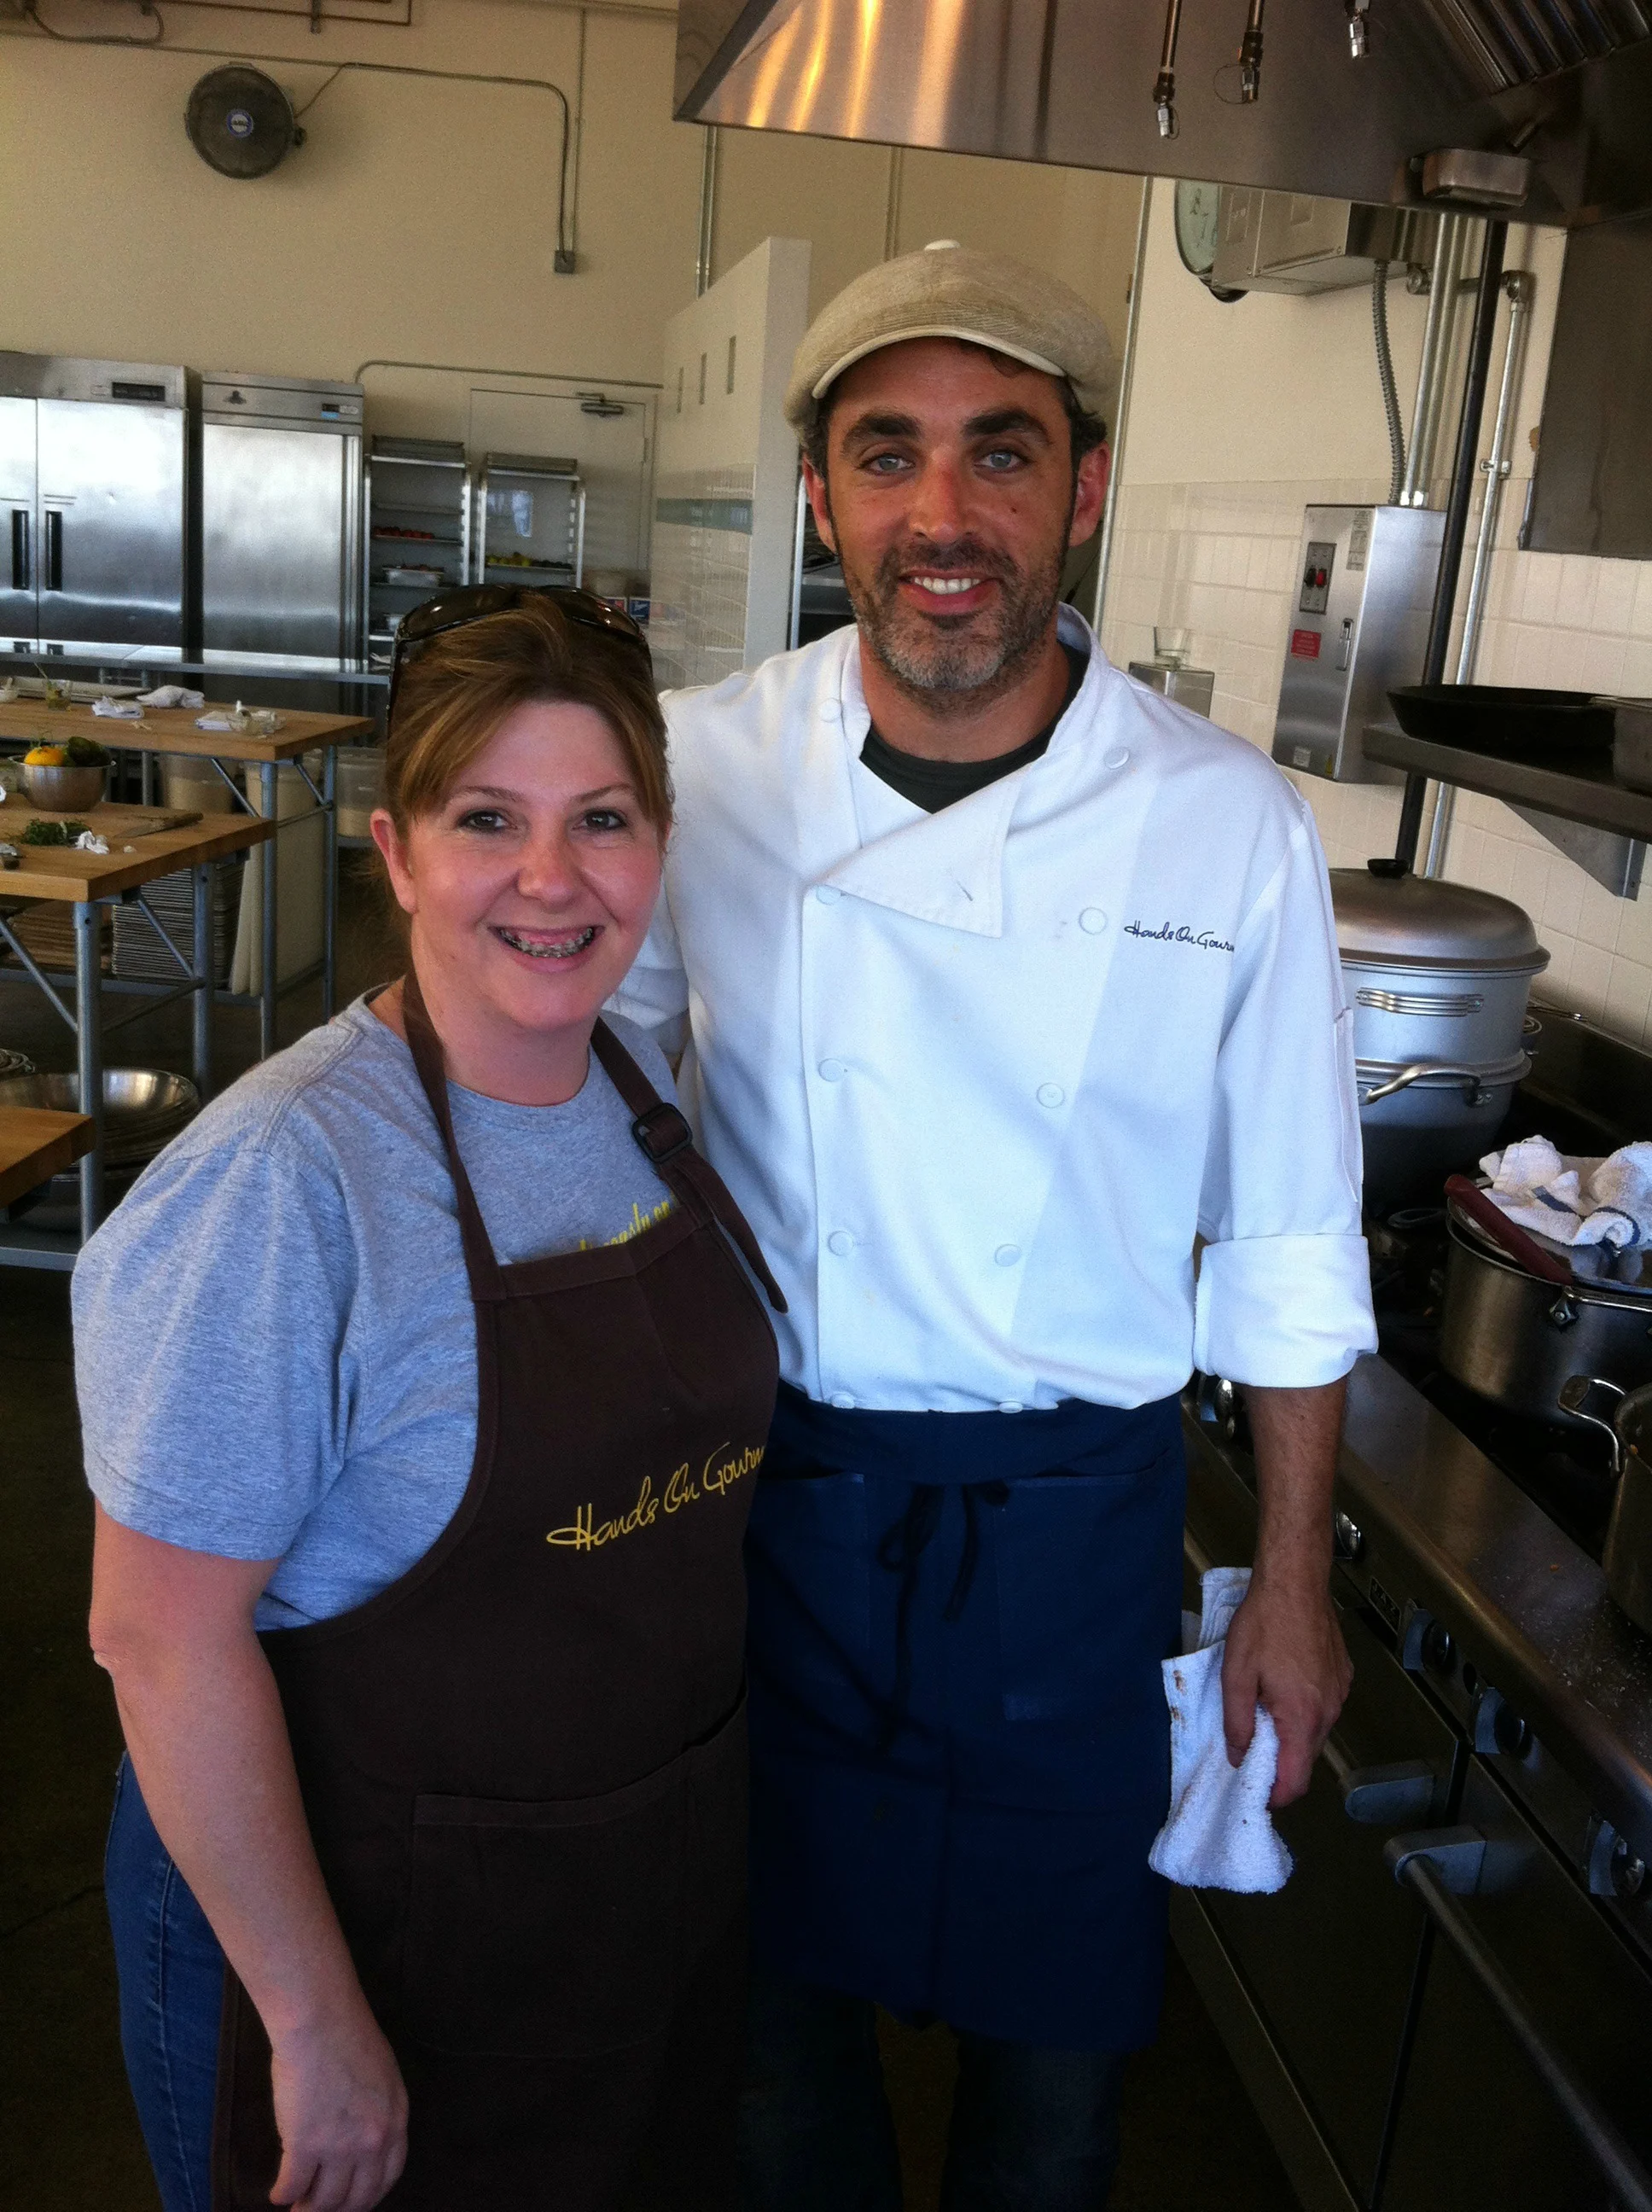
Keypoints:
(1305, 644)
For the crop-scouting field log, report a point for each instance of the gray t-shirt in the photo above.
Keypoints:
(274, 1347)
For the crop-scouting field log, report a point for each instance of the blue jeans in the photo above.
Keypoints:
(1031, 2131)
(172, 1983)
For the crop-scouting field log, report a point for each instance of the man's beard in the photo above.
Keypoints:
(964, 662)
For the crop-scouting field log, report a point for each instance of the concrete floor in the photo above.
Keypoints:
(69, 2139)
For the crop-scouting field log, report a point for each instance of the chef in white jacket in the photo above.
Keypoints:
(1012, 1017)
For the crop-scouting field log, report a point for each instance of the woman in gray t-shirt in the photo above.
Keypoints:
(294, 1421)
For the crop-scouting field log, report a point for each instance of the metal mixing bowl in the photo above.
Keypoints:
(66, 790)
(145, 1108)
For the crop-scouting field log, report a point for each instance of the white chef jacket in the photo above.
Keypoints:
(981, 1079)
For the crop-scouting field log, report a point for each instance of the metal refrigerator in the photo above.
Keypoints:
(281, 522)
(94, 506)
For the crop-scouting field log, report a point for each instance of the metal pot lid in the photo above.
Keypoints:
(1413, 922)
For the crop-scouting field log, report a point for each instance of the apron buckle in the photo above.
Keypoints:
(663, 1132)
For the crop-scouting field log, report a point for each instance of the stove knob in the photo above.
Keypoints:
(1513, 1736)
(1348, 1538)
(1628, 1872)
(1439, 1648)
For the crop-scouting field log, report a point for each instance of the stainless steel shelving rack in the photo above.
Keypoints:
(418, 515)
(548, 496)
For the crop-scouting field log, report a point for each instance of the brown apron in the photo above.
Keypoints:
(524, 1764)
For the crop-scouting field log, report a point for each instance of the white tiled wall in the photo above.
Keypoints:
(1219, 559)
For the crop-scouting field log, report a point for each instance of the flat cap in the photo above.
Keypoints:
(951, 291)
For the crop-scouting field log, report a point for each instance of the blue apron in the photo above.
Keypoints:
(960, 1743)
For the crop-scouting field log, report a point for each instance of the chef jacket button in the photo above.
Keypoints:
(1007, 1254)
(1012, 1405)
(831, 711)
(833, 1071)
(1116, 758)
(840, 1242)
(1092, 921)
(842, 1400)
(828, 894)
(1051, 1094)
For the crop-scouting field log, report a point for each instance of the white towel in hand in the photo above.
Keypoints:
(1220, 1835)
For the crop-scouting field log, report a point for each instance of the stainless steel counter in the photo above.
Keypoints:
(1499, 1727)
(1519, 1595)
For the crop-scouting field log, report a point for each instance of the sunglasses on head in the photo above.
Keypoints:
(475, 602)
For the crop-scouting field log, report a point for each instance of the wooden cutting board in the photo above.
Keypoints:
(119, 824)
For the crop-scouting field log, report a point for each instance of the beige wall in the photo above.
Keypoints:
(1242, 415)
(417, 222)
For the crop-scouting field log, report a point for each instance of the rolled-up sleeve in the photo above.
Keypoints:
(1284, 1297)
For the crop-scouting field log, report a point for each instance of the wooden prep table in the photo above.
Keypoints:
(138, 853)
(35, 1143)
(173, 730)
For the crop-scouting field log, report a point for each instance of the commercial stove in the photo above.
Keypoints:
(1450, 2006)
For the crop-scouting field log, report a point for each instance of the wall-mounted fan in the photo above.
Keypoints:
(240, 122)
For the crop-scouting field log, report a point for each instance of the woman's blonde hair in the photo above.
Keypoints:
(457, 689)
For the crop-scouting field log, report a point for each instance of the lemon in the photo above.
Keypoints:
(45, 757)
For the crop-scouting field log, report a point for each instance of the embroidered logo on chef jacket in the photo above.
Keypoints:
(1170, 933)
(721, 1471)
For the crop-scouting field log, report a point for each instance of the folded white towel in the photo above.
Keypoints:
(117, 710)
(223, 718)
(172, 695)
(1575, 1202)
(1220, 1835)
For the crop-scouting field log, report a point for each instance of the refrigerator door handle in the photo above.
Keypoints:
(22, 578)
(54, 549)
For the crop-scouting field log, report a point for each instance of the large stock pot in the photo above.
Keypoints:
(1437, 977)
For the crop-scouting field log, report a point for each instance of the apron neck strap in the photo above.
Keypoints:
(667, 1144)
(481, 1261)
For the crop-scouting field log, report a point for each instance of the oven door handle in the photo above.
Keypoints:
(1441, 1864)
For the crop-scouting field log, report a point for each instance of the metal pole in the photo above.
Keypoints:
(1456, 516)
(1517, 283)
(89, 1058)
(205, 980)
(1127, 378)
(269, 802)
(1436, 358)
(329, 880)
(897, 155)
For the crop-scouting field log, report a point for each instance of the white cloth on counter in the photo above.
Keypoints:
(222, 718)
(172, 695)
(117, 710)
(1219, 1834)
(1575, 1202)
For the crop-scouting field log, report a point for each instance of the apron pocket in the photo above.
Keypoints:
(545, 1929)
(1088, 1575)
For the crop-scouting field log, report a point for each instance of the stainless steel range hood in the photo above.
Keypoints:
(1567, 85)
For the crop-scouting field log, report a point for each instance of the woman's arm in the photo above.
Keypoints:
(208, 1739)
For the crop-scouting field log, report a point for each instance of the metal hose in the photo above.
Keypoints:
(1385, 372)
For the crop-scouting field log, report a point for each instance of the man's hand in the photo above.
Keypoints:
(342, 2113)
(1285, 1649)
